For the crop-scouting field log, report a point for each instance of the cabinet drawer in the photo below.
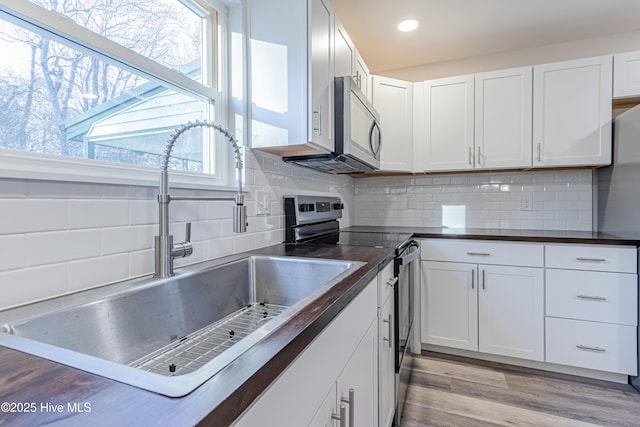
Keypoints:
(386, 281)
(623, 259)
(592, 295)
(481, 252)
(592, 345)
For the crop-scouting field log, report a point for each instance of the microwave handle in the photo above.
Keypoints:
(376, 150)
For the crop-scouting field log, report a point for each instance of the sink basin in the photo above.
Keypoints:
(171, 335)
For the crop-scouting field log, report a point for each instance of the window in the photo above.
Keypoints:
(109, 80)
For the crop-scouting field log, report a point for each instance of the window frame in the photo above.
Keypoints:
(22, 165)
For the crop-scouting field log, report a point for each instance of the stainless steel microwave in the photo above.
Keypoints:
(358, 137)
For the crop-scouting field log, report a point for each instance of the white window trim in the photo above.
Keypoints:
(21, 165)
(36, 166)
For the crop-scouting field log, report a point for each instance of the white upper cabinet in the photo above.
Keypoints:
(503, 105)
(446, 122)
(393, 100)
(572, 113)
(291, 75)
(348, 61)
(344, 52)
(321, 44)
(626, 75)
(362, 76)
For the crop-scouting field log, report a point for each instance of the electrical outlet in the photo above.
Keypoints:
(263, 203)
(411, 202)
(527, 202)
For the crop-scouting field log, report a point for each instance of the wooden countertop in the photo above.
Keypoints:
(551, 236)
(44, 392)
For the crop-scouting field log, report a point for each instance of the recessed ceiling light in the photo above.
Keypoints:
(408, 25)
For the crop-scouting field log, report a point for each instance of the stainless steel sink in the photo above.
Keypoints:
(171, 335)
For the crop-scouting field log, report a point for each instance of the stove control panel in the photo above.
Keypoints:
(301, 210)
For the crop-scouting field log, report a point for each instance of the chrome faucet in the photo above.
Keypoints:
(165, 249)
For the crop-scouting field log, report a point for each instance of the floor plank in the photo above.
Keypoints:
(454, 391)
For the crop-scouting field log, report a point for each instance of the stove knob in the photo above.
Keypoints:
(338, 206)
(307, 207)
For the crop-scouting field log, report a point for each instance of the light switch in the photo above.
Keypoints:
(263, 203)
(411, 202)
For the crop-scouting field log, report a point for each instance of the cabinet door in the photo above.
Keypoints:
(448, 123)
(393, 100)
(511, 311)
(324, 416)
(626, 75)
(503, 104)
(362, 76)
(321, 78)
(344, 52)
(449, 304)
(361, 376)
(386, 371)
(572, 113)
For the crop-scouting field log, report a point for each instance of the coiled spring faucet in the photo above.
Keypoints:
(165, 250)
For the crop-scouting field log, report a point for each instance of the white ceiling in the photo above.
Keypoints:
(456, 29)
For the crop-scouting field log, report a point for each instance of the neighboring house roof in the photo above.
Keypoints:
(141, 119)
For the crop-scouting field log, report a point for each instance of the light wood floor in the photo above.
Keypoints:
(454, 391)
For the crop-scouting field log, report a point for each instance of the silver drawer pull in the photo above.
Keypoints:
(593, 298)
(392, 282)
(591, 259)
(389, 323)
(478, 254)
(589, 348)
(342, 416)
(351, 401)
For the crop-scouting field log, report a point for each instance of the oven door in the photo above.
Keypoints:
(407, 272)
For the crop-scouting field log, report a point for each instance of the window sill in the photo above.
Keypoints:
(16, 165)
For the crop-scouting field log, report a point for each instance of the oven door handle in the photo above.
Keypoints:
(410, 257)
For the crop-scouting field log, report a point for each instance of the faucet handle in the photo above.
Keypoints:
(187, 232)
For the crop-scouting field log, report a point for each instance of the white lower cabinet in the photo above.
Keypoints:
(355, 389)
(511, 311)
(449, 301)
(386, 371)
(592, 307)
(562, 304)
(491, 308)
(343, 357)
(594, 345)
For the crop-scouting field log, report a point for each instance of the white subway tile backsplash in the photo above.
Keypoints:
(62, 246)
(143, 212)
(13, 188)
(32, 284)
(86, 274)
(117, 240)
(492, 200)
(97, 213)
(141, 263)
(13, 251)
(25, 216)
